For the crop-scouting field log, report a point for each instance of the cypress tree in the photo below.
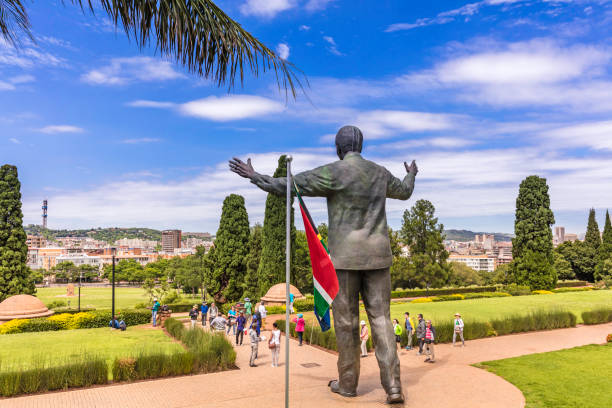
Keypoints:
(251, 280)
(272, 263)
(231, 249)
(592, 237)
(606, 238)
(532, 247)
(604, 256)
(14, 274)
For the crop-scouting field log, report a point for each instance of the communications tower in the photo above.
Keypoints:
(44, 214)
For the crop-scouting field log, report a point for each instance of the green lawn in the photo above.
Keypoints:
(490, 308)
(99, 298)
(25, 349)
(577, 377)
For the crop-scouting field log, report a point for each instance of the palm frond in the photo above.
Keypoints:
(13, 17)
(201, 37)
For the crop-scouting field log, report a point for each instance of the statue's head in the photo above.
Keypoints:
(348, 139)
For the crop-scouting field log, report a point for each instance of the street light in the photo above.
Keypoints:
(80, 278)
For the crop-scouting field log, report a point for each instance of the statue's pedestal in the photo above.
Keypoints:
(163, 316)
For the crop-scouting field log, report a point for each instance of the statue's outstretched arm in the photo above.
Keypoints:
(402, 189)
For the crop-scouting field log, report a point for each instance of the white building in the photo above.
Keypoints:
(476, 262)
(79, 259)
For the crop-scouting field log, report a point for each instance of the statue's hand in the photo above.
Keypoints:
(241, 168)
(412, 168)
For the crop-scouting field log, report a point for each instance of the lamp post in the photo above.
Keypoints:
(113, 283)
(80, 278)
(287, 278)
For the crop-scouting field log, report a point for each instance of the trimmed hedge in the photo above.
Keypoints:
(442, 291)
(571, 283)
(44, 378)
(314, 335)
(69, 321)
(596, 316)
(304, 305)
(564, 290)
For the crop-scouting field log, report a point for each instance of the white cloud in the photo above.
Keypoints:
(596, 135)
(27, 57)
(333, 47)
(19, 79)
(141, 140)
(122, 71)
(444, 17)
(52, 129)
(384, 123)
(6, 86)
(304, 27)
(314, 5)
(150, 104)
(283, 50)
(266, 8)
(231, 107)
(14, 140)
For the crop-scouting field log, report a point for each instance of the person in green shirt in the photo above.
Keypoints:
(248, 309)
(397, 329)
(154, 310)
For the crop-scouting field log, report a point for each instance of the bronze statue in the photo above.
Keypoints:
(356, 191)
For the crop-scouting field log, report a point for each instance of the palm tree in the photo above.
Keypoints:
(196, 33)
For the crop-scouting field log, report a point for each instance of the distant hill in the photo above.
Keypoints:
(465, 235)
(109, 235)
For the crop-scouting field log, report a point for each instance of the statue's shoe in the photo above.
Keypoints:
(334, 386)
(395, 396)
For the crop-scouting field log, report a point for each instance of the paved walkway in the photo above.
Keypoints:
(451, 381)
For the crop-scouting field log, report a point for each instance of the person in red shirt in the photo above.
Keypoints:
(364, 335)
(299, 326)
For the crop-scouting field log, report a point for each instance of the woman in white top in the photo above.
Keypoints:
(263, 312)
(275, 344)
(458, 324)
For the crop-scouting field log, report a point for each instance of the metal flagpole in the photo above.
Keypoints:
(287, 279)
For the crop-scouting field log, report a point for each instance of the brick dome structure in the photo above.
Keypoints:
(22, 307)
(276, 294)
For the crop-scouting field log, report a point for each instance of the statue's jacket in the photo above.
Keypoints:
(356, 191)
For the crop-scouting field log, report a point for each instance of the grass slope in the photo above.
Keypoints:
(490, 308)
(25, 349)
(577, 377)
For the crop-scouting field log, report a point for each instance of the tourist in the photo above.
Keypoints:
(291, 299)
(213, 311)
(254, 344)
(240, 325)
(420, 333)
(364, 335)
(263, 313)
(257, 321)
(430, 338)
(299, 326)
(193, 315)
(219, 323)
(154, 310)
(409, 329)
(248, 308)
(231, 320)
(114, 323)
(122, 325)
(274, 344)
(397, 330)
(204, 311)
(458, 324)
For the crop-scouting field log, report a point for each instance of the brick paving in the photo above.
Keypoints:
(451, 381)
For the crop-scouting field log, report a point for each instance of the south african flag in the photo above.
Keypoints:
(323, 272)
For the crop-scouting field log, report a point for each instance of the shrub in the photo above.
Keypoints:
(313, 335)
(55, 304)
(581, 289)
(13, 326)
(479, 295)
(124, 369)
(304, 305)
(609, 338)
(542, 292)
(63, 319)
(178, 307)
(443, 298)
(71, 310)
(517, 290)
(43, 378)
(422, 300)
(276, 309)
(595, 316)
(541, 320)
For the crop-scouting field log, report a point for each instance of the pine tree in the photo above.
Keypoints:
(231, 249)
(592, 237)
(607, 232)
(272, 263)
(14, 274)
(422, 233)
(604, 256)
(251, 280)
(532, 247)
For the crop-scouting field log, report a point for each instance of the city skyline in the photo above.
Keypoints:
(116, 137)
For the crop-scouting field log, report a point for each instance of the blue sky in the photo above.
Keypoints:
(481, 94)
